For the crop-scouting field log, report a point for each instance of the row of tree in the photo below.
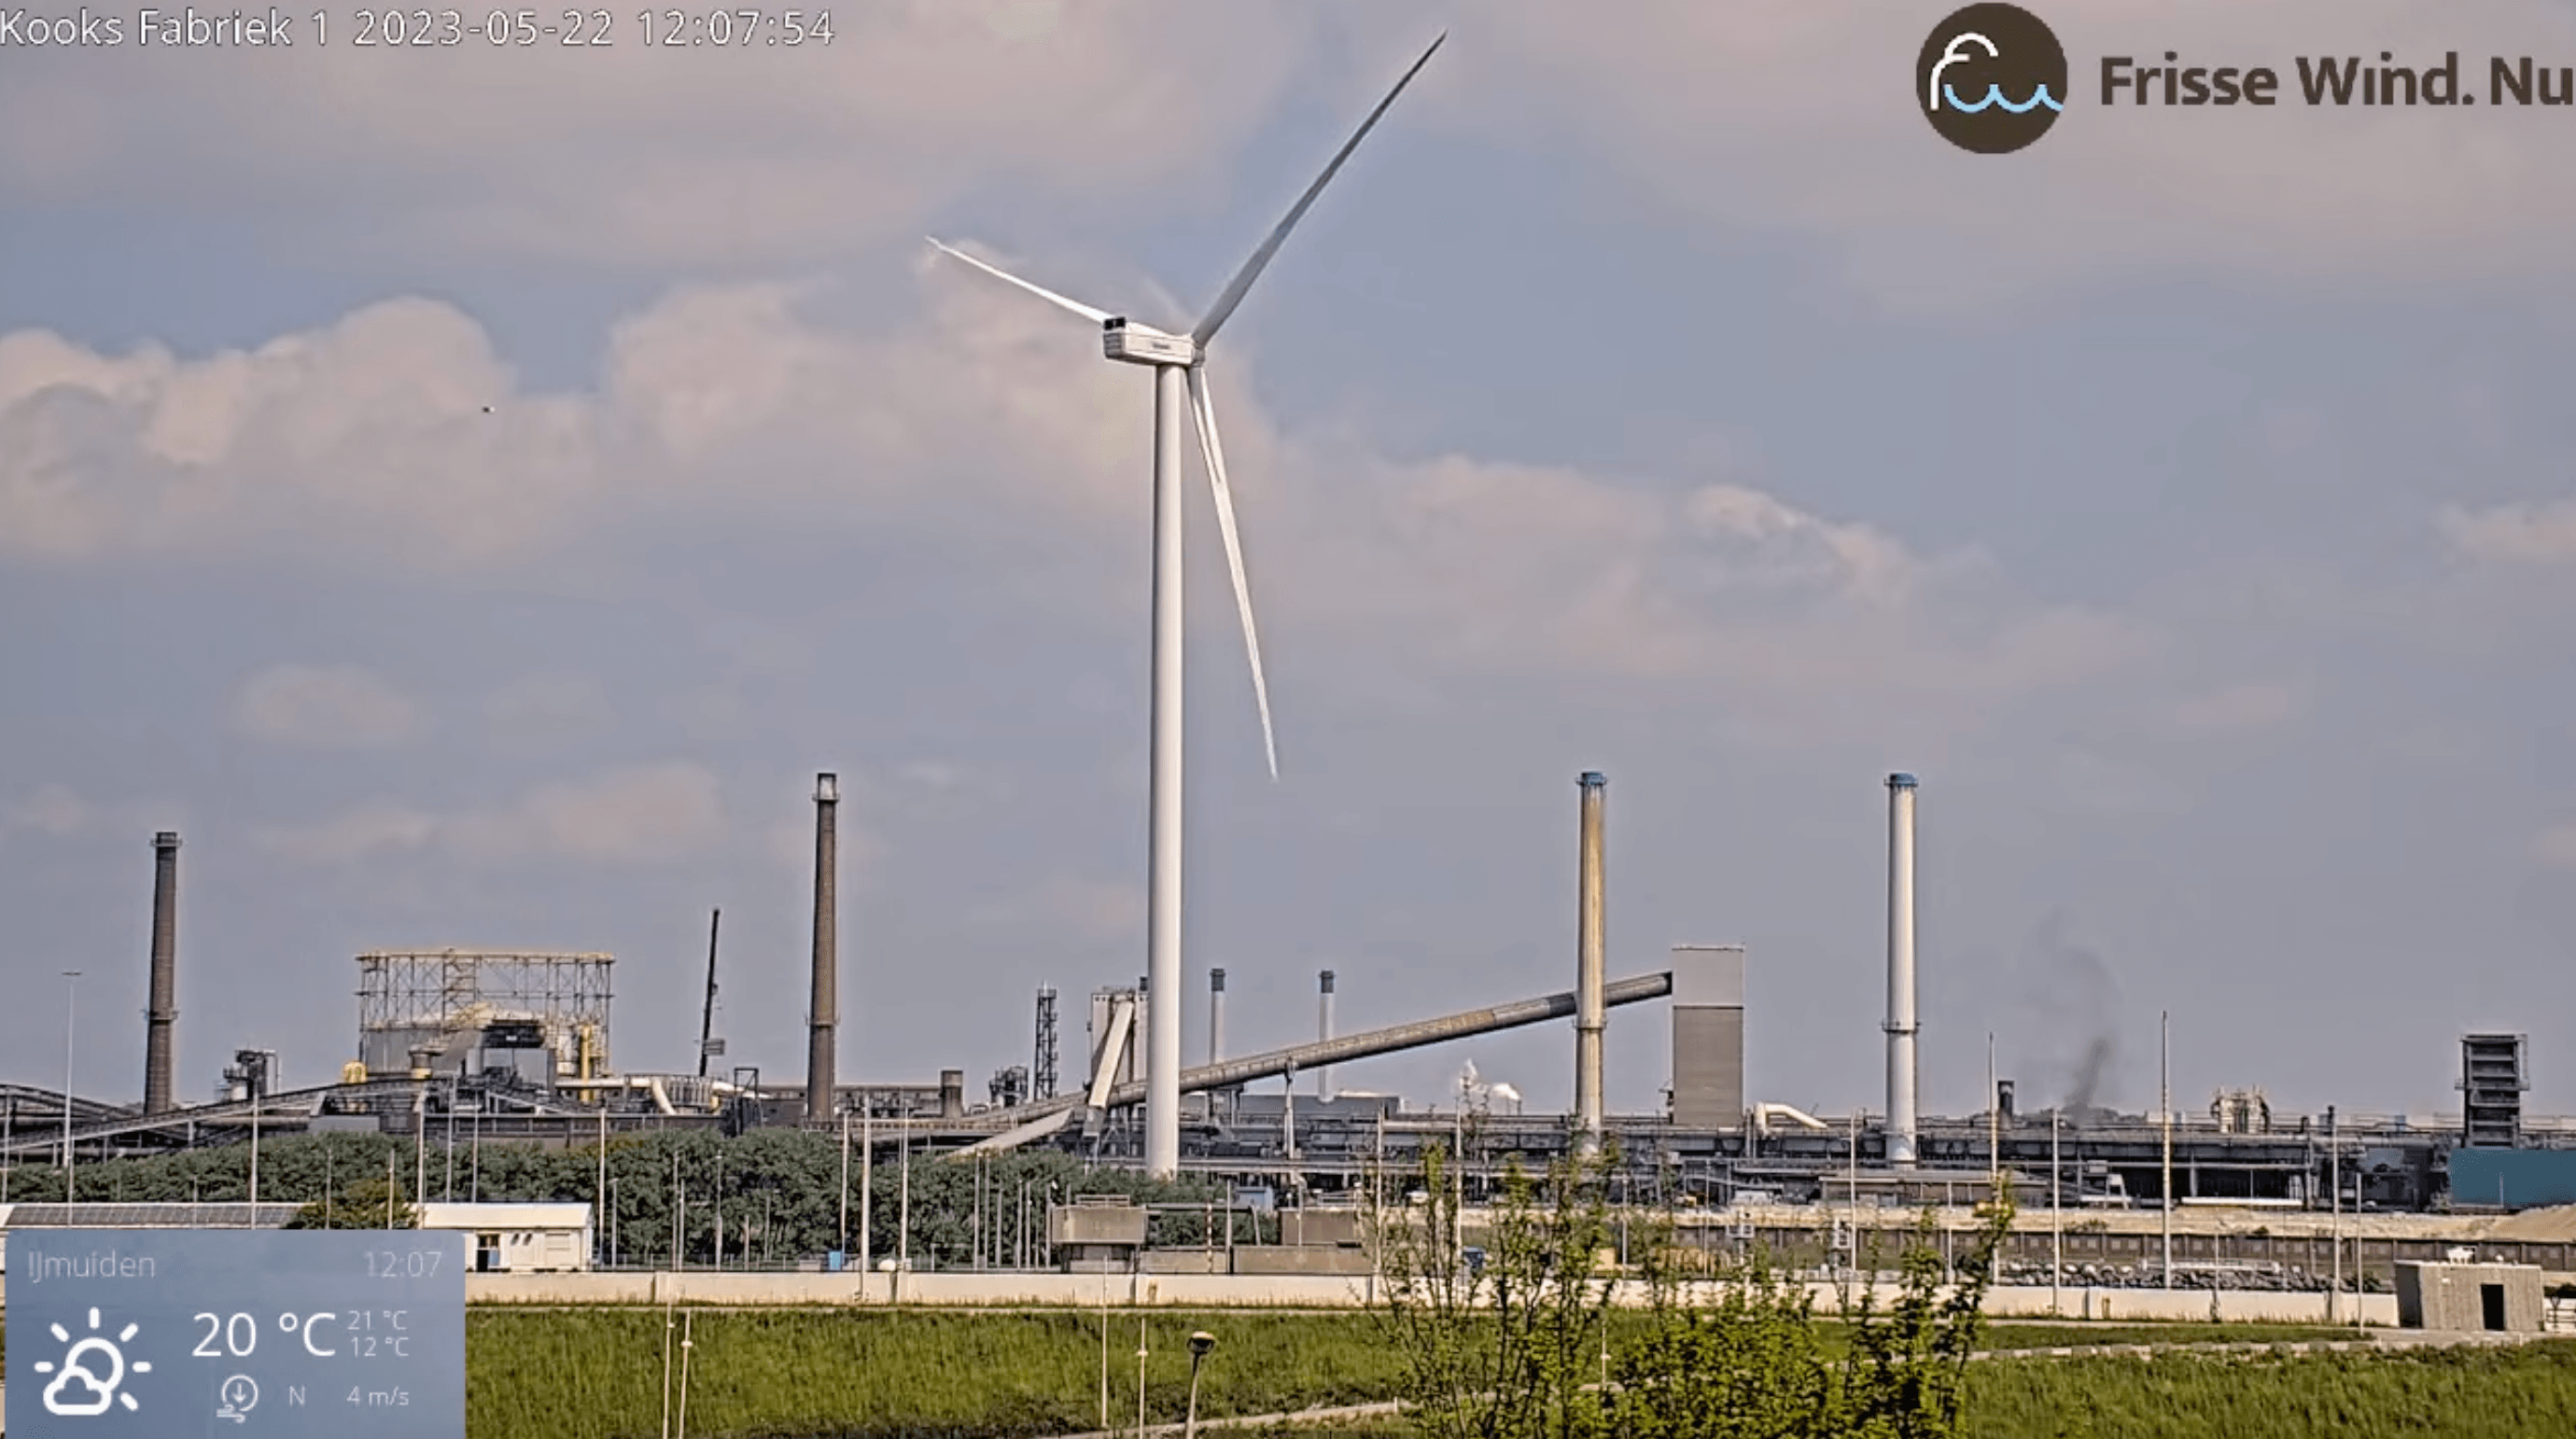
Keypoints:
(776, 1196)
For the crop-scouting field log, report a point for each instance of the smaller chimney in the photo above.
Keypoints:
(1216, 1015)
(2004, 1100)
(952, 1094)
(823, 1020)
(1591, 1001)
(1324, 1031)
(161, 1019)
(1900, 1027)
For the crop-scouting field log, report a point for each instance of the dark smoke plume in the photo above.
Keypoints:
(2072, 1004)
(2089, 1071)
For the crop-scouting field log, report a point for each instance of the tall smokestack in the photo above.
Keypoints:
(1216, 1015)
(825, 1018)
(162, 1019)
(1900, 969)
(1590, 976)
(1324, 1030)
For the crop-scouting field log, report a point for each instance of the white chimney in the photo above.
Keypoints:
(1900, 969)
(1324, 1031)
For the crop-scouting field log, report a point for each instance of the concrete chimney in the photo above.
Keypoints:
(1216, 1015)
(1324, 1030)
(824, 1019)
(161, 1020)
(1591, 1009)
(952, 1093)
(1900, 969)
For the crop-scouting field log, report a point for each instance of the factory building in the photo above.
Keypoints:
(1708, 1036)
(518, 1238)
(2458, 1295)
(514, 1046)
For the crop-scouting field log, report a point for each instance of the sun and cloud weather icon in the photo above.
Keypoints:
(87, 1378)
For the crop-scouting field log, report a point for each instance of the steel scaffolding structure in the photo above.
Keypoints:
(413, 999)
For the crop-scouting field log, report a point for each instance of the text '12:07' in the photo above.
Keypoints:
(684, 29)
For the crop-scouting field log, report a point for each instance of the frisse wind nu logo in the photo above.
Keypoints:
(1991, 78)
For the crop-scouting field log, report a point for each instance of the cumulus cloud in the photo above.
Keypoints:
(2524, 533)
(728, 403)
(2246, 708)
(324, 707)
(540, 703)
(371, 432)
(861, 848)
(948, 787)
(1092, 909)
(634, 155)
(645, 815)
(51, 809)
(2555, 846)
(57, 811)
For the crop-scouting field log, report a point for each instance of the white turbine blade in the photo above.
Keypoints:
(1203, 405)
(1051, 297)
(1219, 312)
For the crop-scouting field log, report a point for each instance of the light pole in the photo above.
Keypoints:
(599, 1196)
(1994, 1118)
(2164, 1116)
(1200, 1343)
(71, 1045)
(2334, 1215)
(2056, 1210)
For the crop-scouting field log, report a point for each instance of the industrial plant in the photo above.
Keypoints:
(523, 1043)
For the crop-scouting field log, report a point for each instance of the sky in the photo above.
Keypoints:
(469, 492)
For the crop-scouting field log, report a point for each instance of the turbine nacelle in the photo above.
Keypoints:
(1124, 340)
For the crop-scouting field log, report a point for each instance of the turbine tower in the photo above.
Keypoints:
(1179, 362)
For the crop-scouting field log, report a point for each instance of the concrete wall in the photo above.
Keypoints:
(1307, 1291)
(1322, 1226)
(1079, 1224)
(1270, 1259)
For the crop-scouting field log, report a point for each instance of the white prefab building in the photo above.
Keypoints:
(517, 1238)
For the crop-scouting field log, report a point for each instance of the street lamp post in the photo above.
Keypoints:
(71, 1046)
(2056, 1211)
(1200, 1343)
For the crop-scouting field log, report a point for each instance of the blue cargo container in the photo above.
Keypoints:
(2513, 1178)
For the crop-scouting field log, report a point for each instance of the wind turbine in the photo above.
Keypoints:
(1179, 362)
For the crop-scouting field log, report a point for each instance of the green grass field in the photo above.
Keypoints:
(2451, 1393)
(2433, 1394)
(597, 1374)
(933, 1374)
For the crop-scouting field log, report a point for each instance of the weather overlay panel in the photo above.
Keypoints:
(294, 1334)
